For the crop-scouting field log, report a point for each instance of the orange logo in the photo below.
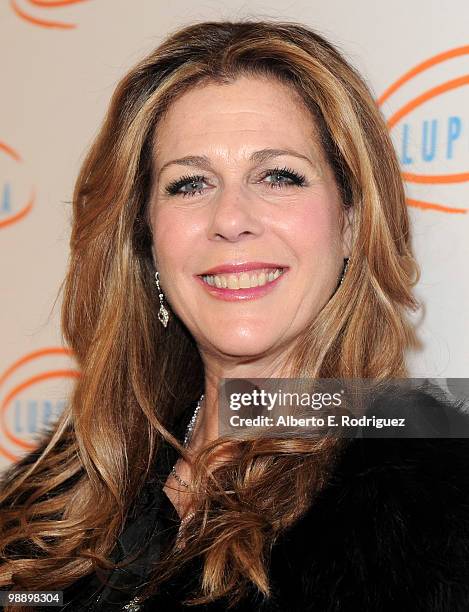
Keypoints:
(15, 201)
(33, 11)
(429, 123)
(32, 396)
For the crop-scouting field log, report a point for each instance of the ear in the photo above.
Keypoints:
(347, 230)
(155, 260)
(149, 219)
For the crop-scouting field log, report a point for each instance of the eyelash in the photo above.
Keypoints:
(298, 181)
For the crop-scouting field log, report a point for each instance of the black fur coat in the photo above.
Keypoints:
(389, 532)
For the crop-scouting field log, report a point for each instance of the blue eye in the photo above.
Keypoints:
(285, 177)
(175, 187)
(285, 173)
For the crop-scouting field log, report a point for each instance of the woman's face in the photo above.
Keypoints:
(241, 185)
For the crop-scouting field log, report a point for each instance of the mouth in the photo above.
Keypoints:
(246, 284)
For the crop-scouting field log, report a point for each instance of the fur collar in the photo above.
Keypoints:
(390, 531)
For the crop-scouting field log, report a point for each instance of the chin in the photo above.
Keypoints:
(239, 345)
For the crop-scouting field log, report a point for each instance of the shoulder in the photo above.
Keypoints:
(391, 527)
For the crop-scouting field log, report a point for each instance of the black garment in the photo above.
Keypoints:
(390, 531)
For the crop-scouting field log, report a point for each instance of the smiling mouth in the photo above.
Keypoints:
(243, 280)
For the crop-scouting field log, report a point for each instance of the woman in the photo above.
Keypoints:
(240, 215)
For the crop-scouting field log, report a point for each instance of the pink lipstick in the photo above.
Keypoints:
(242, 281)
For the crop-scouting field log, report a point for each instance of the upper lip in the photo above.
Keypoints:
(245, 266)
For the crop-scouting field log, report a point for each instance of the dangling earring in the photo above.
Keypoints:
(347, 259)
(163, 314)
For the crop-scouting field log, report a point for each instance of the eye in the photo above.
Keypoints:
(192, 182)
(284, 177)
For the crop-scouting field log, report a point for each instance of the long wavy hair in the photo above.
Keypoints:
(62, 508)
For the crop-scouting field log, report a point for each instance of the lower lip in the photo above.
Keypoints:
(233, 295)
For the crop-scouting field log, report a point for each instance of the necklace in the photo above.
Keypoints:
(187, 438)
(134, 605)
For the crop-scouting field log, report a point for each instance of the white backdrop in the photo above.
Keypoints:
(61, 60)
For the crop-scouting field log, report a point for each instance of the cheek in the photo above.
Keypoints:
(172, 236)
(314, 231)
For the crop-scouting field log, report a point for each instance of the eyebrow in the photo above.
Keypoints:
(202, 161)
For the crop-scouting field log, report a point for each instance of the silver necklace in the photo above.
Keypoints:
(134, 604)
(187, 438)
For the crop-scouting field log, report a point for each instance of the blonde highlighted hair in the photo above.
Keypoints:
(62, 508)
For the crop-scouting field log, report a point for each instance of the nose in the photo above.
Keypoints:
(234, 216)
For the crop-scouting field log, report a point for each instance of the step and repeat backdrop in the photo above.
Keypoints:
(61, 60)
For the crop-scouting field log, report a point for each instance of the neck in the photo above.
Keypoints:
(207, 427)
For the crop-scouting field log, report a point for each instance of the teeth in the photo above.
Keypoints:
(233, 282)
(243, 280)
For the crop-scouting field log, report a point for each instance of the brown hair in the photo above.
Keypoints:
(132, 388)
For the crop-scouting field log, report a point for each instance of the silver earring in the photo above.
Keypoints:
(344, 270)
(163, 314)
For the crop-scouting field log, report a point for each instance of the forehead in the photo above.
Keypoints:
(251, 108)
